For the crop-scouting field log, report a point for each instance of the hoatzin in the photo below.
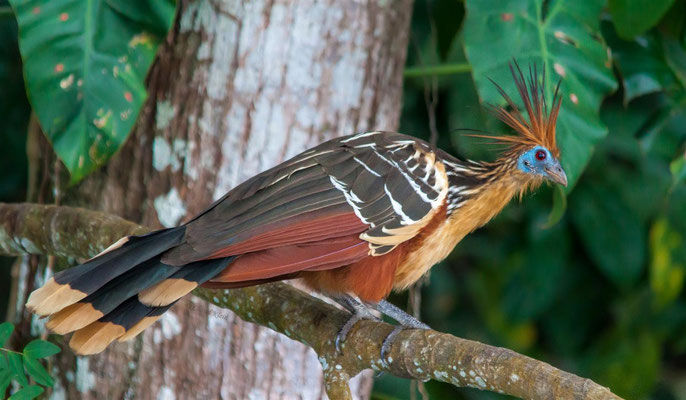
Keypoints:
(355, 218)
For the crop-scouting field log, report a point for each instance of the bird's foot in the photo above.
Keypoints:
(406, 321)
(359, 312)
(390, 339)
(345, 329)
(388, 342)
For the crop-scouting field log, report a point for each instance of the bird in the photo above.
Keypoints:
(354, 218)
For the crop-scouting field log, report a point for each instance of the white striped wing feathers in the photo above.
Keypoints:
(396, 186)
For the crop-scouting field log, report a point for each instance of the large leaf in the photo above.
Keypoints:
(565, 38)
(570, 326)
(15, 116)
(628, 362)
(633, 17)
(678, 169)
(666, 273)
(535, 285)
(611, 232)
(675, 55)
(447, 17)
(85, 63)
(641, 62)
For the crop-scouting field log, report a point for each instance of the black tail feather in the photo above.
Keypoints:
(120, 292)
(119, 289)
(183, 281)
(130, 317)
(75, 284)
(93, 274)
(123, 323)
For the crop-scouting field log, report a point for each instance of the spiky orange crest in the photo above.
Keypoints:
(539, 130)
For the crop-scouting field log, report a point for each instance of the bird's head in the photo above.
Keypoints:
(532, 153)
(539, 162)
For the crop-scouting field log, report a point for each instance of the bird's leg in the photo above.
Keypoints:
(406, 321)
(359, 312)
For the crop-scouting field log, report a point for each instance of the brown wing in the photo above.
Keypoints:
(280, 261)
(329, 206)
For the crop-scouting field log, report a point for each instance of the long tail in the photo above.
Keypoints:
(119, 292)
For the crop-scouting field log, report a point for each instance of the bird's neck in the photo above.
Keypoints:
(483, 189)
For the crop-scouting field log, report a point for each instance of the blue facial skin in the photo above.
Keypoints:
(539, 161)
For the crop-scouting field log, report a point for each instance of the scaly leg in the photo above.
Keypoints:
(359, 312)
(406, 321)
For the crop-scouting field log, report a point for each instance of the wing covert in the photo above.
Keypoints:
(399, 188)
(392, 184)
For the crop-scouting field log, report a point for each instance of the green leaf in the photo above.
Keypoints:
(641, 63)
(570, 326)
(6, 330)
(37, 371)
(650, 132)
(15, 116)
(17, 368)
(5, 380)
(611, 233)
(633, 17)
(559, 207)
(27, 393)
(447, 16)
(678, 169)
(40, 349)
(666, 274)
(465, 113)
(676, 215)
(628, 362)
(5, 13)
(675, 57)
(625, 123)
(565, 38)
(85, 63)
(673, 21)
(535, 285)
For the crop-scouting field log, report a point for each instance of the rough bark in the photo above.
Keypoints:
(422, 354)
(238, 87)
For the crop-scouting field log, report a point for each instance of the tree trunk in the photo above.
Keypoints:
(237, 88)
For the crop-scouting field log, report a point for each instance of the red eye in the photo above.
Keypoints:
(540, 155)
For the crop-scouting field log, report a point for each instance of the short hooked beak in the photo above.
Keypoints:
(556, 174)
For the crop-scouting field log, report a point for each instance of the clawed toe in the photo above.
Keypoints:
(388, 342)
(359, 312)
(345, 329)
(390, 339)
(406, 322)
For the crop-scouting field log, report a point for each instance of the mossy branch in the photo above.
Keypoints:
(416, 354)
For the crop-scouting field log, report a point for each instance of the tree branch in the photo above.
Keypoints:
(416, 354)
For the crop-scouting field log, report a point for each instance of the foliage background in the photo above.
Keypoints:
(598, 292)
(591, 279)
(15, 111)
